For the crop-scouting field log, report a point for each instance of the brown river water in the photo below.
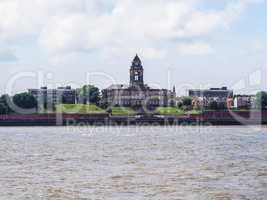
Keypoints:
(133, 163)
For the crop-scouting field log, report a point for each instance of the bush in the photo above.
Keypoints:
(261, 100)
(89, 94)
(4, 104)
(25, 101)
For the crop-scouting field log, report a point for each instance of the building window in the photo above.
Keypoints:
(136, 78)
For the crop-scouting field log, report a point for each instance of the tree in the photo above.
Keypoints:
(185, 103)
(4, 104)
(25, 101)
(3, 109)
(89, 94)
(221, 106)
(261, 100)
(196, 103)
(213, 105)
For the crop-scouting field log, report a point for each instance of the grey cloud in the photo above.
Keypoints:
(7, 56)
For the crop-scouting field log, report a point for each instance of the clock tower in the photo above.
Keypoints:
(136, 73)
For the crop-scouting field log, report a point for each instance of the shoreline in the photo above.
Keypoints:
(222, 118)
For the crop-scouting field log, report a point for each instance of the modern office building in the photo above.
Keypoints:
(52, 97)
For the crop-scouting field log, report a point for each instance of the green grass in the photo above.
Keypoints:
(79, 109)
(194, 112)
(169, 111)
(122, 111)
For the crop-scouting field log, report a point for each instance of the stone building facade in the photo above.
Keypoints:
(137, 94)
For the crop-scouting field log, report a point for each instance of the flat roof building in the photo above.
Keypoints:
(52, 97)
(208, 96)
(223, 92)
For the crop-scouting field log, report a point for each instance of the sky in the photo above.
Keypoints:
(186, 43)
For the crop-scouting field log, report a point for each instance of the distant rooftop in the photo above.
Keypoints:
(211, 89)
(59, 88)
(118, 86)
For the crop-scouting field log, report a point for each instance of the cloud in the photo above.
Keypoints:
(197, 48)
(153, 53)
(7, 56)
(63, 26)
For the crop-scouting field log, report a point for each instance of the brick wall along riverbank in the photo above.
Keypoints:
(210, 117)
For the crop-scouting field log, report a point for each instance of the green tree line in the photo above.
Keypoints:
(10, 104)
(89, 94)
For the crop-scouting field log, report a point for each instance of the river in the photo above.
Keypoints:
(133, 163)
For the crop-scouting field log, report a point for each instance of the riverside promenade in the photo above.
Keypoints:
(206, 118)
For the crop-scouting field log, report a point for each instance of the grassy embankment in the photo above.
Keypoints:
(175, 111)
(92, 109)
(79, 109)
(169, 111)
(194, 112)
(116, 111)
(122, 111)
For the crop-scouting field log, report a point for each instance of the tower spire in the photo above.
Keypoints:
(137, 72)
(137, 61)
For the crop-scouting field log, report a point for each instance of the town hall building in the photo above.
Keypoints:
(137, 94)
